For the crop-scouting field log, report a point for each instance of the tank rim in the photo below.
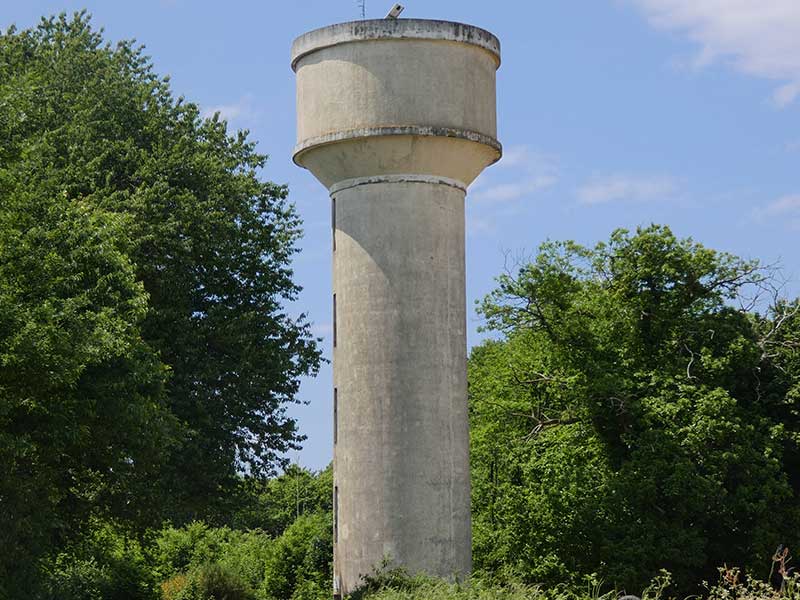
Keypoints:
(393, 29)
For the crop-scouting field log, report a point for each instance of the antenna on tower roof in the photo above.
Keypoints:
(362, 5)
(395, 11)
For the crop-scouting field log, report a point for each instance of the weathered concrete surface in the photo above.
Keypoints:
(399, 153)
(384, 29)
(388, 86)
(402, 454)
(396, 118)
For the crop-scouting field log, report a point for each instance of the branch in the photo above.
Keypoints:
(691, 362)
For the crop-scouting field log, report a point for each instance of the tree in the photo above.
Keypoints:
(141, 247)
(83, 423)
(629, 418)
(274, 505)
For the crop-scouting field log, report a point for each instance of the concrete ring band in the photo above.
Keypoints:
(351, 134)
(347, 184)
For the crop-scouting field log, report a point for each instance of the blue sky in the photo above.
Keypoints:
(613, 113)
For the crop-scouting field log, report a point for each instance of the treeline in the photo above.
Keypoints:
(635, 409)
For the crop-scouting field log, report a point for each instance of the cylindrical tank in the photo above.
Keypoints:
(396, 118)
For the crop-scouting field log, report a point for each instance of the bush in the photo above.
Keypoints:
(302, 554)
(76, 579)
(246, 555)
(386, 578)
(396, 585)
(172, 587)
(198, 559)
(107, 564)
(209, 582)
(183, 554)
(732, 586)
(312, 590)
(179, 550)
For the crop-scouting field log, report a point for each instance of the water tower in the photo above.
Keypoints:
(396, 117)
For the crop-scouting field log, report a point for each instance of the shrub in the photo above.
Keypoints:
(208, 582)
(107, 564)
(312, 590)
(732, 586)
(387, 577)
(302, 554)
(246, 555)
(76, 579)
(182, 553)
(172, 587)
(397, 586)
(179, 550)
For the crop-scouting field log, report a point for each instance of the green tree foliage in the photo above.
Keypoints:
(294, 565)
(299, 567)
(779, 377)
(273, 505)
(281, 543)
(105, 563)
(83, 423)
(196, 554)
(731, 584)
(632, 416)
(209, 582)
(146, 352)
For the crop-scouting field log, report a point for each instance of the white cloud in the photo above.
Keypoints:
(528, 172)
(504, 192)
(516, 156)
(616, 188)
(786, 206)
(792, 146)
(757, 37)
(480, 225)
(785, 210)
(242, 109)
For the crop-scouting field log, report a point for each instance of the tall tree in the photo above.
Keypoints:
(630, 417)
(83, 422)
(168, 207)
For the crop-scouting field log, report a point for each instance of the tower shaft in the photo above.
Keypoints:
(401, 452)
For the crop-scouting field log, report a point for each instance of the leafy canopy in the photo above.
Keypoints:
(147, 354)
(633, 415)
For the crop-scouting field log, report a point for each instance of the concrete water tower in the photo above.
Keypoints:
(396, 117)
